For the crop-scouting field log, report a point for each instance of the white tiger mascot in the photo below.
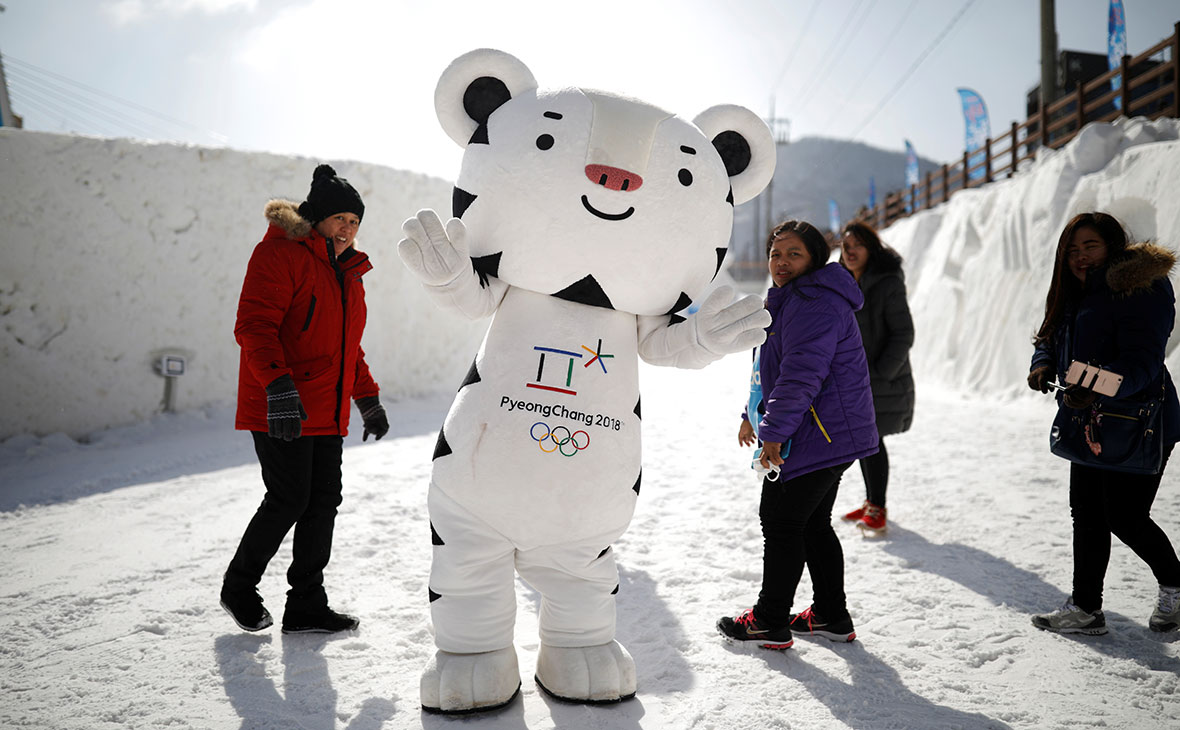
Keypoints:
(583, 221)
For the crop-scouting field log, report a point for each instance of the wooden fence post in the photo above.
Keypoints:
(1176, 69)
(987, 159)
(1044, 121)
(929, 190)
(966, 167)
(946, 182)
(1015, 150)
(1125, 88)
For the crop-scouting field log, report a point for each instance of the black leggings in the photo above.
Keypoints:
(1105, 503)
(303, 489)
(875, 470)
(797, 530)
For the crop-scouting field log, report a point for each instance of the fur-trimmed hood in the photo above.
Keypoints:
(1139, 267)
(285, 215)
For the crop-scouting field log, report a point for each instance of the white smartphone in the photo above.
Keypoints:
(1093, 377)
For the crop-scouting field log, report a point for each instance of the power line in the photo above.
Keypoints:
(115, 106)
(889, 38)
(795, 48)
(910, 72)
(829, 55)
(26, 87)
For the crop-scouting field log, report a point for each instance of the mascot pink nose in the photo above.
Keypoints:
(613, 178)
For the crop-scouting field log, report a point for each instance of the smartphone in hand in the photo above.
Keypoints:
(1103, 382)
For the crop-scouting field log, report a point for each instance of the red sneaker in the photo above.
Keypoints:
(873, 522)
(856, 514)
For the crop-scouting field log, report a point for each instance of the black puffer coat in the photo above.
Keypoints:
(1122, 323)
(888, 333)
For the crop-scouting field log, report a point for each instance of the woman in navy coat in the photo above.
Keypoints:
(1110, 305)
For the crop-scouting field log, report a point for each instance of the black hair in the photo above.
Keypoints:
(1064, 289)
(817, 246)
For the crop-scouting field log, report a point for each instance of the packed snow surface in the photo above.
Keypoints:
(110, 599)
(116, 542)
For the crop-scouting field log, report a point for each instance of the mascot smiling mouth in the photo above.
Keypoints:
(606, 216)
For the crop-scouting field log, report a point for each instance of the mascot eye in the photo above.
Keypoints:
(544, 142)
(685, 177)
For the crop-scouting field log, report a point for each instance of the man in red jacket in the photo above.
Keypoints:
(300, 320)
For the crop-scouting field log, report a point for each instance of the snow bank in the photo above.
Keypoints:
(114, 251)
(978, 266)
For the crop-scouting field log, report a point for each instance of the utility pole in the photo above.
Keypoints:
(780, 130)
(7, 118)
(1048, 52)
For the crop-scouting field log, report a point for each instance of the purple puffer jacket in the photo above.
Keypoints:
(813, 357)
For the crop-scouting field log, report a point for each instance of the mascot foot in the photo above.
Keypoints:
(589, 674)
(458, 683)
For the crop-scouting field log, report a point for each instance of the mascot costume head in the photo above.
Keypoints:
(584, 222)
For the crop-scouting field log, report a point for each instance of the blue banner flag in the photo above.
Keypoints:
(978, 128)
(911, 175)
(833, 216)
(872, 193)
(1116, 45)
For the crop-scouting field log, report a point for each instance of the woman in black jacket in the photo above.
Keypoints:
(1110, 305)
(887, 331)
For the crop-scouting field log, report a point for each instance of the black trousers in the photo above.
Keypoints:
(1105, 503)
(797, 530)
(303, 487)
(875, 470)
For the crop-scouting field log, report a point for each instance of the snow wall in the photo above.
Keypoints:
(978, 267)
(113, 252)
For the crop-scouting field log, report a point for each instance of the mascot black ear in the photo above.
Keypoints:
(745, 145)
(473, 86)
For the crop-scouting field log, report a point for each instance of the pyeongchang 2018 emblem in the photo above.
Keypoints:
(555, 367)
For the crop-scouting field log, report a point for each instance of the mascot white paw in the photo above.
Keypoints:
(456, 683)
(603, 673)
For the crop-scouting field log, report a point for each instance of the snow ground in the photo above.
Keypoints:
(115, 550)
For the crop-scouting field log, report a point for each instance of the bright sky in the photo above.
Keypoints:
(354, 79)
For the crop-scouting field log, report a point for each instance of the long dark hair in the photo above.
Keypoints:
(1064, 289)
(868, 236)
(813, 240)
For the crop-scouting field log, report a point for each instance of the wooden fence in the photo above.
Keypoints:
(1150, 88)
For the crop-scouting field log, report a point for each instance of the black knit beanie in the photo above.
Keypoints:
(329, 195)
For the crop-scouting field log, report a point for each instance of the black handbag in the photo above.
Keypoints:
(1115, 433)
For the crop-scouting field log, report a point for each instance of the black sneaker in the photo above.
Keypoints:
(323, 621)
(745, 628)
(808, 624)
(246, 610)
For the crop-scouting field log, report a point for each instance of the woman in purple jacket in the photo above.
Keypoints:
(819, 419)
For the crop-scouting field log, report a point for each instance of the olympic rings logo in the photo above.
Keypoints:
(561, 438)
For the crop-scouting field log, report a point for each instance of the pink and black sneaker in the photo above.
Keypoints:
(806, 623)
(745, 628)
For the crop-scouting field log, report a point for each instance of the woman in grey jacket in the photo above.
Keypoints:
(887, 331)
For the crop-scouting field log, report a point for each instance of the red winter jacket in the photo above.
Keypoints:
(297, 317)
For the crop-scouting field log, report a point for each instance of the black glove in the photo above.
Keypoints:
(1040, 378)
(373, 414)
(284, 410)
(1077, 397)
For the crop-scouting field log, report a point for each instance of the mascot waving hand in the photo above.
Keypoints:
(583, 221)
